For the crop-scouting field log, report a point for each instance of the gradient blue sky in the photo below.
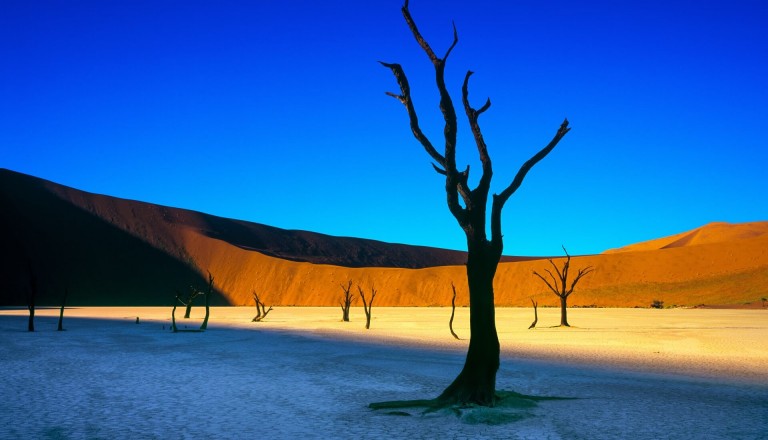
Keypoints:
(275, 112)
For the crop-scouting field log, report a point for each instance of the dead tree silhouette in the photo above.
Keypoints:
(61, 310)
(189, 299)
(208, 292)
(453, 311)
(346, 300)
(476, 383)
(367, 305)
(31, 298)
(535, 314)
(561, 289)
(261, 310)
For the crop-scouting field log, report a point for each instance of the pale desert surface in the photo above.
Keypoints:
(634, 373)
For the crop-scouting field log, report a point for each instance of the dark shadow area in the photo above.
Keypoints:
(70, 248)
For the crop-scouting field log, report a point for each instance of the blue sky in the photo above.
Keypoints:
(275, 112)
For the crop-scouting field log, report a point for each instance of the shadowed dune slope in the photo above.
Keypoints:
(112, 251)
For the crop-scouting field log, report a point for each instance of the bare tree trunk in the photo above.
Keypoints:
(535, 314)
(477, 380)
(61, 311)
(31, 321)
(564, 311)
(367, 306)
(346, 301)
(188, 310)
(453, 311)
(173, 315)
(208, 292)
(31, 298)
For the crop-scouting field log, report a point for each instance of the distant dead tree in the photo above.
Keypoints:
(764, 300)
(346, 301)
(261, 310)
(189, 298)
(559, 284)
(61, 311)
(31, 298)
(176, 302)
(453, 311)
(476, 383)
(207, 293)
(367, 305)
(535, 314)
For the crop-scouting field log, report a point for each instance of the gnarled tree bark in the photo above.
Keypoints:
(476, 383)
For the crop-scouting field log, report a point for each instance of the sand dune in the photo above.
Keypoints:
(109, 251)
(712, 233)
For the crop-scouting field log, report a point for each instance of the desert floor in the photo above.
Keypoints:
(633, 373)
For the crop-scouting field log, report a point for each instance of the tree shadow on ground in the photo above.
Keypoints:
(510, 407)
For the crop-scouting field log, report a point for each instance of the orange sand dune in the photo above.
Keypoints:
(724, 273)
(718, 232)
(109, 251)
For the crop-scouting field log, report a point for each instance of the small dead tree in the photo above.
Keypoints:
(367, 305)
(535, 314)
(453, 311)
(189, 299)
(173, 313)
(61, 311)
(208, 293)
(261, 310)
(31, 298)
(346, 301)
(764, 300)
(559, 284)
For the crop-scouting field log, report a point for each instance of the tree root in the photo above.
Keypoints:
(507, 409)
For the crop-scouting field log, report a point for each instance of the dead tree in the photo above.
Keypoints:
(173, 313)
(559, 284)
(346, 301)
(261, 310)
(189, 299)
(61, 311)
(476, 383)
(535, 314)
(208, 292)
(453, 311)
(31, 298)
(367, 305)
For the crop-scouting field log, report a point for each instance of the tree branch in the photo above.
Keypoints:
(547, 282)
(582, 272)
(501, 199)
(447, 161)
(472, 114)
(405, 98)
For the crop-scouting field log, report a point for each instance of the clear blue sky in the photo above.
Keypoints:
(275, 112)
